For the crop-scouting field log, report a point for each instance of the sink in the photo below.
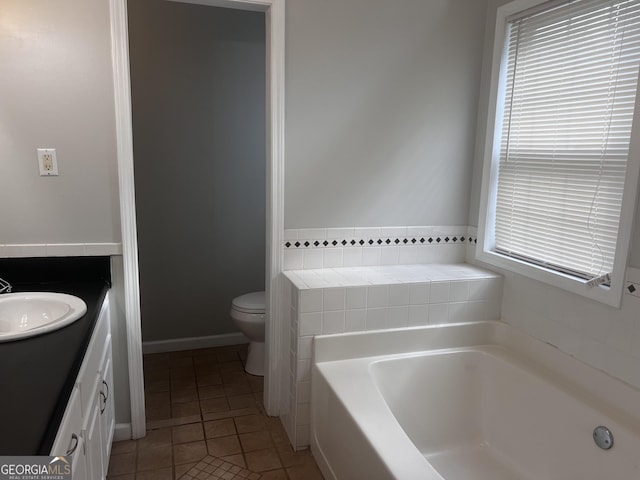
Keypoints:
(24, 315)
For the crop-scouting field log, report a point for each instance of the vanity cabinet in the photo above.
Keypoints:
(87, 428)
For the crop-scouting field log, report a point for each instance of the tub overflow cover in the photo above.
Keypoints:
(603, 437)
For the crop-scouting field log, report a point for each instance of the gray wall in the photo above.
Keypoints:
(57, 92)
(476, 184)
(198, 89)
(381, 101)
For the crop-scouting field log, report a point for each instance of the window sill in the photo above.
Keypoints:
(611, 296)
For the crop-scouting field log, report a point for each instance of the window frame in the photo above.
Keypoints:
(610, 295)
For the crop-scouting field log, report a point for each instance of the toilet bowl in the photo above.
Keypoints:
(248, 313)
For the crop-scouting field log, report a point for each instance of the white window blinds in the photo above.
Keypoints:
(570, 88)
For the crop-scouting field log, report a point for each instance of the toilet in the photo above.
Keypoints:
(247, 311)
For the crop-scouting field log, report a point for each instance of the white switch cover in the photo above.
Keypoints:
(47, 162)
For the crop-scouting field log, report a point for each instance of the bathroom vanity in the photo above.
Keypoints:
(57, 387)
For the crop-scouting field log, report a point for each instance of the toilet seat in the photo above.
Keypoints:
(249, 303)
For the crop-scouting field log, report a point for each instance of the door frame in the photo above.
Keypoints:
(275, 56)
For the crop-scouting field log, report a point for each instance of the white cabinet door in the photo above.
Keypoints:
(70, 439)
(79, 462)
(93, 442)
(89, 420)
(107, 414)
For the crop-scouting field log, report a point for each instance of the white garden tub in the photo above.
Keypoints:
(474, 401)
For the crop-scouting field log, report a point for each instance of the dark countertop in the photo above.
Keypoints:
(37, 374)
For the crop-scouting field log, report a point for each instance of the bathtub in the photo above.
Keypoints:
(473, 401)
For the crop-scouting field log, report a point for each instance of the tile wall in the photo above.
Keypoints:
(338, 300)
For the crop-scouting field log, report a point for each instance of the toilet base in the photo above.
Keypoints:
(255, 359)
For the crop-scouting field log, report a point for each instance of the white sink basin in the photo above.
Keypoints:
(25, 315)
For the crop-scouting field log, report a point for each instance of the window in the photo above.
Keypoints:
(560, 177)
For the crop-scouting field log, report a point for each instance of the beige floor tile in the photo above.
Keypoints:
(154, 366)
(156, 386)
(237, 389)
(234, 377)
(237, 459)
(185, 409)
(181, 362)
(241, 401)
(180, 354)
(171, 422)
(159, 399)
(231, 413)
(189, 452)
(211, 391)
(256, 383)
(155, 438)
(232, 419)
(126, 446)
(222, 446)
(182, 469)
(290, 458)
(209, 379)
(157, 375)
(122, 463)
(180, 383)
(154, 458)
(274, 423)
(214, 405)
(183, 372)
(184, 395)
(158, 413)
(228, 356)
(126, 476)
(156, 474)
(205, 359)
(304, 472)
(250, 423)
(262, 460)
(219, 428)
(233, 365)
(274, 475)
(187, 433)
(255, 441)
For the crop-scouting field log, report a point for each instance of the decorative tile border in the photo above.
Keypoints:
(376, 237)
(349, 247)
(444, 239)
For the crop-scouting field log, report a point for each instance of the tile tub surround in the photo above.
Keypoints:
(314, 248)
(356, 299)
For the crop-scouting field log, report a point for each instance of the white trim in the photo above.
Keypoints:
(484, 250)
(59, 250)
(124, 137)
(193, 343)
(251, 5)
(275, 55)
(275, 19)
(122, 432)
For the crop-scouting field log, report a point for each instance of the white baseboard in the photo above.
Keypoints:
(122, 432)
(192, 343)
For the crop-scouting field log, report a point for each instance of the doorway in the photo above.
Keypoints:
(274, 20)
(198, 98)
